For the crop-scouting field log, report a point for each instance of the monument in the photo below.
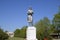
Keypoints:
(31, 30)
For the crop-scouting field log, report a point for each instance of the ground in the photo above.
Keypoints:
(56, 39)
(15, 38)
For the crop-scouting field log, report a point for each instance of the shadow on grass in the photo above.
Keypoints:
(16, 38)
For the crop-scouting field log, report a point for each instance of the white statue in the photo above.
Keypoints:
(31, 30)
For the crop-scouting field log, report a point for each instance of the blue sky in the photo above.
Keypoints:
(13, 13)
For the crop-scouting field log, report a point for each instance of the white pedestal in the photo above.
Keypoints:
(31, 33)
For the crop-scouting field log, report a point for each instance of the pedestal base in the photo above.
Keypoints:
(31, 33)
(31, 39)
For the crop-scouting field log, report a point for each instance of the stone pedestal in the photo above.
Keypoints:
(31, 33)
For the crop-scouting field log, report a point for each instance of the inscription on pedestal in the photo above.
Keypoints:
(31, 33)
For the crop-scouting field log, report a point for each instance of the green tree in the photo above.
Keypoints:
(56, 22)
(23, 31)
(17, 33)
(43, 27)
(3, 35)
(20, 32)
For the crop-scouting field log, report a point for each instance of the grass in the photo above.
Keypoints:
(16, 38)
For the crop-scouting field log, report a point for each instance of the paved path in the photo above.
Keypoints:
(56, 39)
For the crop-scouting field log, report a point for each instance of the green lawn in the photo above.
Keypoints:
(15, 38)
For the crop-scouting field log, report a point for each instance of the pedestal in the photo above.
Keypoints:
(31, 33)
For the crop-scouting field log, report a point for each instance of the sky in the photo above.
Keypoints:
(13, 13)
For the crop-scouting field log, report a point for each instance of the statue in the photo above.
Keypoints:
(31, 30)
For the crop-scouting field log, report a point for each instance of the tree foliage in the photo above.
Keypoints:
(3, 35)
(20, 32)
(56, 19)
(17, 33)
(23, 32)
(43, 28)
(56, 22)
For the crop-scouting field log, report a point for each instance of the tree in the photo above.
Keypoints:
(56, 22)
(20, 32)
(43, 27)
(23, 31)
(17, 33)
(3, 35)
